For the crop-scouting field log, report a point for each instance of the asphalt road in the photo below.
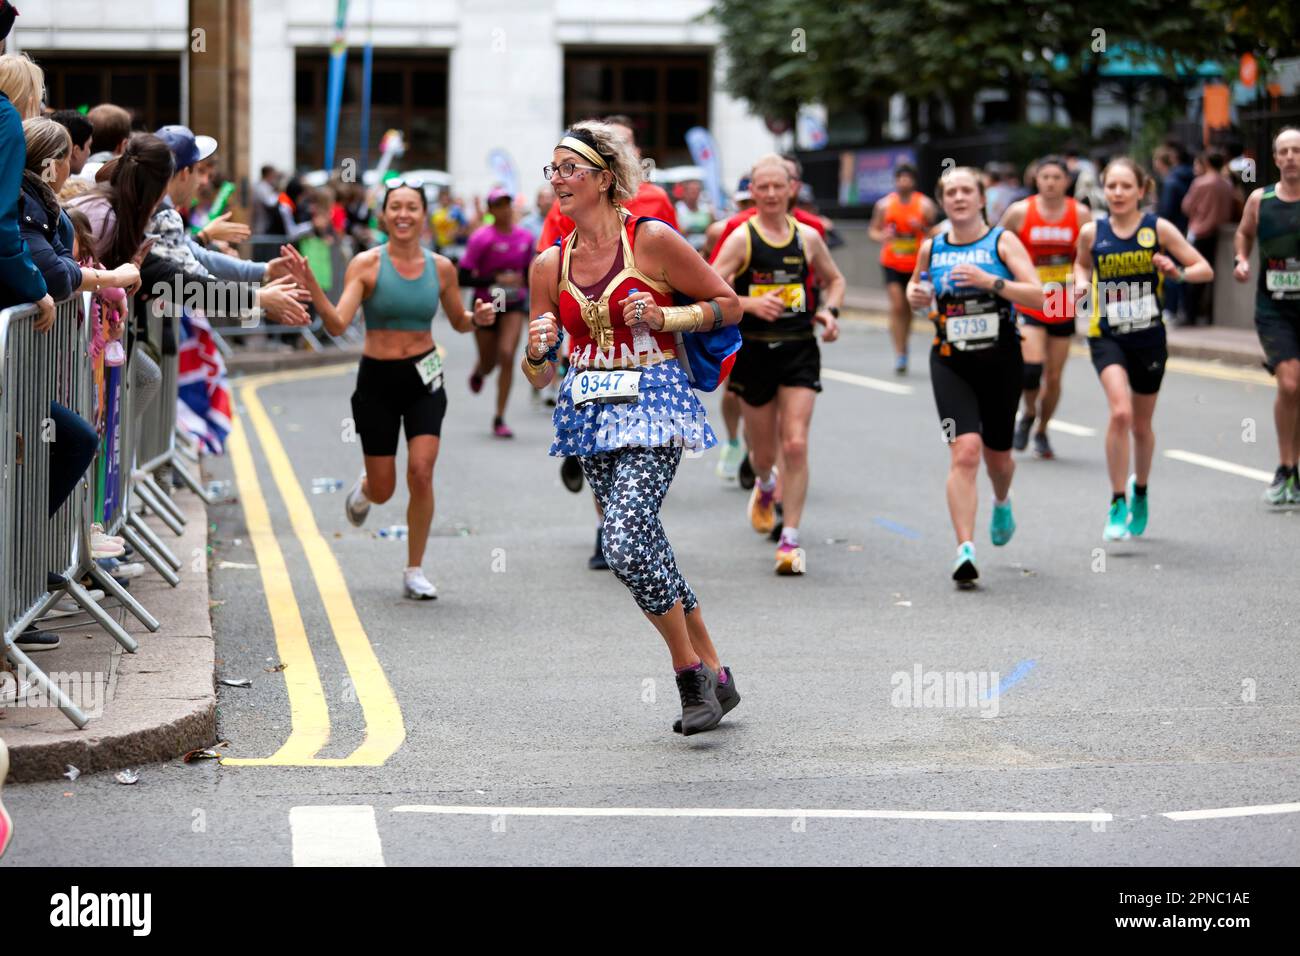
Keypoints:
(1133, 679)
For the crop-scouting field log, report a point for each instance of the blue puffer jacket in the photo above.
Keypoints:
(50, 244)
(20, 280)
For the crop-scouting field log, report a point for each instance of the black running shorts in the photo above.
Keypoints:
(390, 394)
(1062, 330)
(1278, 326)
(1144, 363)
(895, 276)
(763, 367)
(979, 392)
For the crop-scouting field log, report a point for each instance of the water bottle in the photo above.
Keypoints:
(924, 283)
(325, 486)
(643, 342)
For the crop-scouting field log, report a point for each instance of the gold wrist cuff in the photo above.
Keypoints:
(683, 318)
(537, 364)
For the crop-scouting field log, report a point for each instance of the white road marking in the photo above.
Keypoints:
(335, 836)
(1234, 812)
(960, 815)
(1218, 464)
(879, 384)
(1066, 428)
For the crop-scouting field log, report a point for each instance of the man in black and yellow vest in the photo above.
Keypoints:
(778, 371)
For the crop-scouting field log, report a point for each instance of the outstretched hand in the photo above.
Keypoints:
(282, 300)
(295, 266)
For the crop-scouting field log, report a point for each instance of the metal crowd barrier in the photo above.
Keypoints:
(42, 557)
(121, 519)
(155, 446)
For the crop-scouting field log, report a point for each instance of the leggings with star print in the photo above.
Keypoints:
(630, 485)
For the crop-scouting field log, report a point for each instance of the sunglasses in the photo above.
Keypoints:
(399, 183)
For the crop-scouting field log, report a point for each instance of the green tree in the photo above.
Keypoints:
(855, 55)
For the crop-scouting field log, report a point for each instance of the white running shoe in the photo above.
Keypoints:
(98, 529)
(131, 570)
(356, 504)
(103, 546)
(67, 607)
(67, 603)
(418, 587)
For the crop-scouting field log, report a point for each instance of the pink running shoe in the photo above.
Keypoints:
(502, 430)
(475, 381)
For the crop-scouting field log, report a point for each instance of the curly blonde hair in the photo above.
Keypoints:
(618, 153)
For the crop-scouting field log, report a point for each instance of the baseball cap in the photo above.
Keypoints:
(187, 149)
(498, 194)
(742, 190)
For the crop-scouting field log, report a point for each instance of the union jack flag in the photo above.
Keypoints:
(203, 407)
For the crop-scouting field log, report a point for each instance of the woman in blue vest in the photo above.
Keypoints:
(1119, 275)
(974, 273)
(400, 380)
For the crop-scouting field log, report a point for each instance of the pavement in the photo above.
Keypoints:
(152, 705)
(1145, 690)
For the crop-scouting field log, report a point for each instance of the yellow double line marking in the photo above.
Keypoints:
(385, 729)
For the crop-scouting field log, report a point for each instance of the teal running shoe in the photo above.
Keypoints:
(1293, 489)
(1137, 510)
(1281, 491)
(1117, 521)
(1003, 525)
(733, 453)
(963, 569)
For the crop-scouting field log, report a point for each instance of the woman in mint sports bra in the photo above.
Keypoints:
(399, 382)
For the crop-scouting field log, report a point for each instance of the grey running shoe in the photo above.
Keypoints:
(727, 695)
(356, 504)
(701, 710)
(1021, 440)
(1043, 447)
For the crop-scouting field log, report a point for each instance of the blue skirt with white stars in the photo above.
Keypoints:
(666, 413)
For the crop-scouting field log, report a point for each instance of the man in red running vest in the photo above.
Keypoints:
(900, 223)
(1048, 224)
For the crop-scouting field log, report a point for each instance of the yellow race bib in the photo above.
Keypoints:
(903, 245)
(1055, 273)
(792, 294)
